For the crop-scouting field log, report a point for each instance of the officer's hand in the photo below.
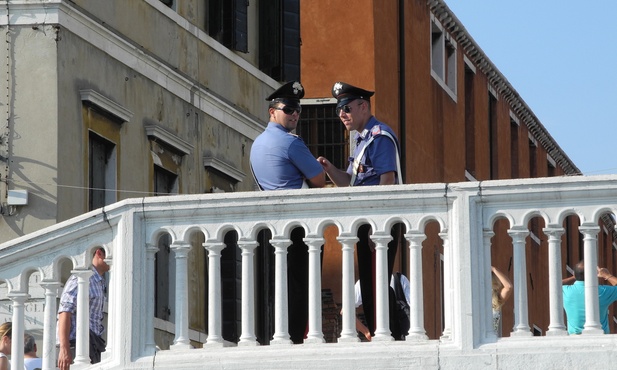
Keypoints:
(325, 163)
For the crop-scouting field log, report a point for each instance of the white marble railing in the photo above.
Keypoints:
(465, 213)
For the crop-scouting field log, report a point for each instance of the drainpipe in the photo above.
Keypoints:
(5, 131)
(401, 87)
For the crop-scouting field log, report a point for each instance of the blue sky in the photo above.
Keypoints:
(561, 57)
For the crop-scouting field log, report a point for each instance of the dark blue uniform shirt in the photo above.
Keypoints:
(378, 158)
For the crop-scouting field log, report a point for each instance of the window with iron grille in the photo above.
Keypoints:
(324, 134)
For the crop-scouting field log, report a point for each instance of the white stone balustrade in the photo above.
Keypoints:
(464, 212)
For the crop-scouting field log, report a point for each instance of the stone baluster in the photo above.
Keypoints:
(448, 301)
(521, 317)
(556, 325)
(17, 328)
(151, 251)
(281, 304)
(215, 298)
(248, 338)
(49, 324)
(82, 317)
(592, 303)
(416, 293)
(315, 333)
(382, 282)
(181, 340)
(348, 332)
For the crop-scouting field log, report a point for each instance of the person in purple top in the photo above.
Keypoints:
(375, 161)
(280, 160)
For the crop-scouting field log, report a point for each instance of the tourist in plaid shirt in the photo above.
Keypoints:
(67, 312)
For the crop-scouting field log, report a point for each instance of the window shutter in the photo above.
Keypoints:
(240, 28)
(291, 40)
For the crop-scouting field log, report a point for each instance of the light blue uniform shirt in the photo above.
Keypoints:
(281, 160)
(379, 157)
(574, 305)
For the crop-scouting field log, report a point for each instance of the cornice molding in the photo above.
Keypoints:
(225, 168)
(106, 104)
(160, 134)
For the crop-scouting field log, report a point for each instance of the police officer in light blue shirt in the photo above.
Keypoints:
(375, 161)
(281, 160)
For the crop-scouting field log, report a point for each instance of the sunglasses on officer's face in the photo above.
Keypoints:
(289, 110)
(346, 108)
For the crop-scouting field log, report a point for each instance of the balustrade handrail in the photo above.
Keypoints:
(465, 213)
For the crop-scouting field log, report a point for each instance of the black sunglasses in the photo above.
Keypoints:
(289, 110)
(345, 108)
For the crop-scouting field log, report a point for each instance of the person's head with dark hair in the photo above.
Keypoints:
(284, 107)
(29, 345)
(98, 261)
(579, 271)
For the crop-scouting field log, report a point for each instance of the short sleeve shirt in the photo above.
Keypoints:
(97, 297)
(574, 305)
(281, 160)
(378, 158)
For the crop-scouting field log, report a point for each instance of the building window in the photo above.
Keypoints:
(324, 134)
(167, 151)
(101, 172)
(514, 128)
(228, 23)
(443, 58)
(165, 182)
(533, 162)
(493, 134)
(279, 39)
(551, 166)
(169, 3)
(103, 119)
(470, 123)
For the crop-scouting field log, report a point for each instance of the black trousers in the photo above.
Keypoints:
(366, 271)
(97, 346)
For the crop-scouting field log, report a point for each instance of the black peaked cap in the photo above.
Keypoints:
(344, 92)
(291, 91)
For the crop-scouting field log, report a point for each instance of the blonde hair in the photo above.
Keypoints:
(5, 329)
(497, 287)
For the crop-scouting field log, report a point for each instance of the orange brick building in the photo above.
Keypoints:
(457, 118)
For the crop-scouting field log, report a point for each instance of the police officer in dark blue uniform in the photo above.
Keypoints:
(281, 160)
(375, 161)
